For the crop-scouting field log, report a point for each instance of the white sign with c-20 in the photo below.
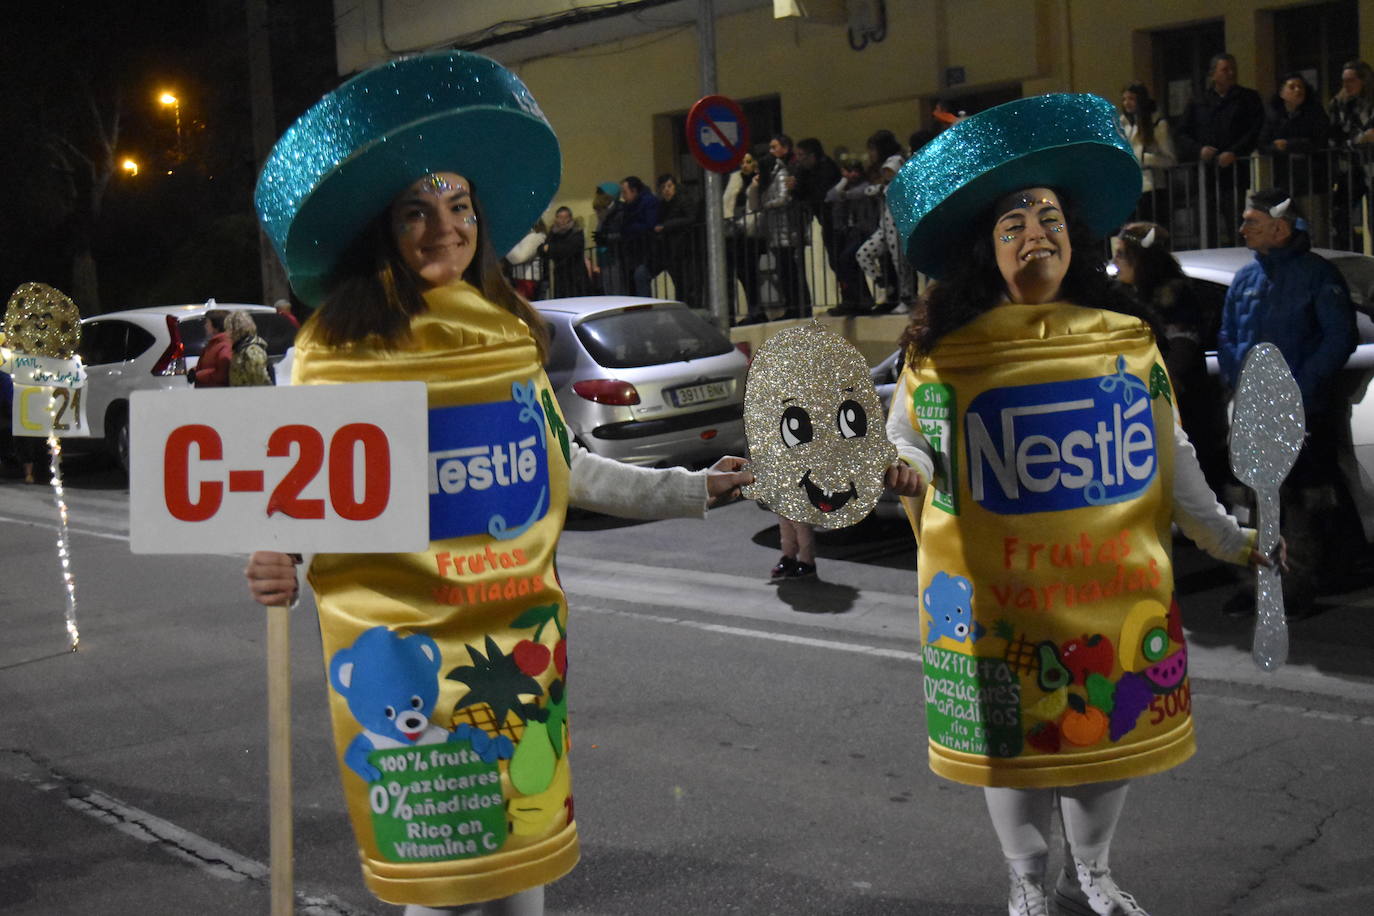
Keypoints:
(322, 468)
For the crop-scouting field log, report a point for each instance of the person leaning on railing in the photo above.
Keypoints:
(1218, 128)
(743, 242)
(1294, 128)
(1352, 128)
(1148, 135)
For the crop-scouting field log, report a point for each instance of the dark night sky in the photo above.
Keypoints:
(156, 237)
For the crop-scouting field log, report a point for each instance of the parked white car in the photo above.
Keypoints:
(148, 349)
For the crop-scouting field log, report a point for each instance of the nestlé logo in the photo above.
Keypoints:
(1060, 445)
(488, 470)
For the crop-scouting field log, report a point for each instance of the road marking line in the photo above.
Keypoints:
(860, 649)
(191, 848)
(854, 647)
(36, 523)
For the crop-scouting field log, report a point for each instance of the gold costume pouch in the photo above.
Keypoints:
(447, 668)
(1052, 648)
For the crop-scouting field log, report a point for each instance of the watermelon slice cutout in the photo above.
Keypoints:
(1168, 673)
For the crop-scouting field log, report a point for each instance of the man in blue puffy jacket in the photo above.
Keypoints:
(1297, 301)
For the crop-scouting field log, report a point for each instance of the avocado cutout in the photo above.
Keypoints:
(1053, 674)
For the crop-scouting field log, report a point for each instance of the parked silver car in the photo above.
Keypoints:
(645, 381)
(1212, 271)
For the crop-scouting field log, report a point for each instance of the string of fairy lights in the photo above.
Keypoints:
(64, 554)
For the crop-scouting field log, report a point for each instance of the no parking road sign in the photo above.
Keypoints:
(717, 133)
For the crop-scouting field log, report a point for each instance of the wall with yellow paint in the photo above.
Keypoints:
(603, 101)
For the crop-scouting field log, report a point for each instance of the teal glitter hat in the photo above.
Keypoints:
(345, 159)
(1067, 142)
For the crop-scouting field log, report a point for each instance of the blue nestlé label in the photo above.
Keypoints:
(488, 469)
(1060, 445)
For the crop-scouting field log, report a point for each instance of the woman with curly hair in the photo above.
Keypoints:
(1036, 405)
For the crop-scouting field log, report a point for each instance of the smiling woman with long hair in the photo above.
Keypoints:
(389, 219)
(1037, 407)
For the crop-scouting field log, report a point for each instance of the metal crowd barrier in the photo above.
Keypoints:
(1201, 203)
(799, 259)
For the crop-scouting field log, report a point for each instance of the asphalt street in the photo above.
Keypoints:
(738, 747)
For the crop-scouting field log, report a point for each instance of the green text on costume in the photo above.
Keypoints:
(436, 802)
(973, 704)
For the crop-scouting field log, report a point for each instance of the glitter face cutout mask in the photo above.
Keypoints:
(42, 321)
(815, 427)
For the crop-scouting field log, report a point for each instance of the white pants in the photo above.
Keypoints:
(1021, 818)
(525, 903)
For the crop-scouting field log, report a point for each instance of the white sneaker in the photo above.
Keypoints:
(1092, 892)
(1027, 897)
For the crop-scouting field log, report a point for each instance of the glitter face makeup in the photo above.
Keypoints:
(1033, 251)
(434, 225)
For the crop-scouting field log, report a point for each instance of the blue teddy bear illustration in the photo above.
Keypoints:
(949, 602)
(391, 685)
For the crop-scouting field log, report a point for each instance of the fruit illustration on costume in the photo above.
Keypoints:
(495, 679)
(1044, 738)
(1145, 616)
(531, 657)
(532, 765)
(1083, 725)
(1155, 645)
(532, 814)
(1089, 655)
(1175, 621)
(560, 657)
(1159, 383)
(1132, 697)
(1100, 692)
(1051, 705)
(1020, 653)
(1164, 676)
(1053, 674)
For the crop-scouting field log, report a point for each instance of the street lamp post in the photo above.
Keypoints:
(168, 99)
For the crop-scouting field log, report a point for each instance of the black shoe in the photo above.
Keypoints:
(1239, 606)
(784, 569)
(801, 570)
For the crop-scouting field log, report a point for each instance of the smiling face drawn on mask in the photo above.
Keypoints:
(817, 443)
(42, 321)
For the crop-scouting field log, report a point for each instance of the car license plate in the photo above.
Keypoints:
(700, 394)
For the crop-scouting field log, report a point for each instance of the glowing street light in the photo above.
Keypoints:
(167, 99)
(129, 166)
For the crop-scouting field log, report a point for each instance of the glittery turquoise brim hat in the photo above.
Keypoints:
(345, 159)
(1067, 142)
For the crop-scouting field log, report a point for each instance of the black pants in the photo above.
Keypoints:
(742, 264)
(1317, 516)
(796, 295)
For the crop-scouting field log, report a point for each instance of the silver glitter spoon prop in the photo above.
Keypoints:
(1267, 428)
